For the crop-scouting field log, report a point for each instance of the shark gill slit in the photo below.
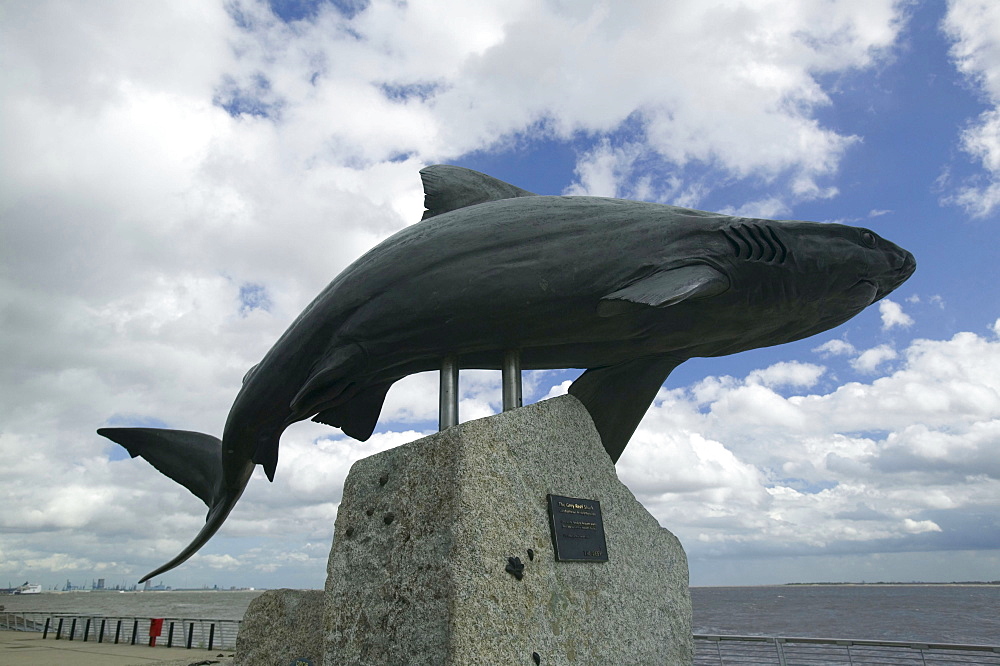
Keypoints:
(762, 245)
(734, 239)
(732, 243)
(753, 242)
(781, 249)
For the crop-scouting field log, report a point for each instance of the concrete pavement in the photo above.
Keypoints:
(26, 648)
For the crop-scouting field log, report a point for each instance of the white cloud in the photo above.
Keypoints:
(869, 360)
(836, 347)
(134, 209)
(864, 463)
(893, 315)
(789, 373)
(974, 27)
(920, 526)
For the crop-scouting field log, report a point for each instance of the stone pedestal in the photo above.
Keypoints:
(417, 573)
(282, 627)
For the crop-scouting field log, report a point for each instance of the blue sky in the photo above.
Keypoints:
(179, 181)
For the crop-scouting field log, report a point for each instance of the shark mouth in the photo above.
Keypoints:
(872, 288)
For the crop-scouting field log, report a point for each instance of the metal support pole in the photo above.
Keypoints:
(511, 379)
(448, 400)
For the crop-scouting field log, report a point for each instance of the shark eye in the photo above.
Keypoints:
(868, 238)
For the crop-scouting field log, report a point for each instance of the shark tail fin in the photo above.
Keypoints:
(217, 515)
(193, 460)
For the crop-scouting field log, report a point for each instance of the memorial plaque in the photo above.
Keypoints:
(577, 529)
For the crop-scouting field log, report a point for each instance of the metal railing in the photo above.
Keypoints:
(709, 650)
(131, 630)
(724, 650)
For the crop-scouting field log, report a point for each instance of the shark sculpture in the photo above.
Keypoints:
(625, 289)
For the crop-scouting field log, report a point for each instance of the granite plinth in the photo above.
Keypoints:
(282, 627)
(425, 532)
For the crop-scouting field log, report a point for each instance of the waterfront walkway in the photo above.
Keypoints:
(27, 648)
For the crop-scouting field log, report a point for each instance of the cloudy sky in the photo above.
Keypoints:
(178, 180)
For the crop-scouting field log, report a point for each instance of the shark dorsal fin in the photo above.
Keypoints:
(448, 188)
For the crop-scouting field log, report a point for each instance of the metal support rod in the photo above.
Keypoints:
(448, 399)
(511, 379)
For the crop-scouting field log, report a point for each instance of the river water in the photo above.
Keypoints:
(926, 613)
(196, 605)
(929, 613)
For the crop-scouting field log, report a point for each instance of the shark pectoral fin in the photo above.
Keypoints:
(618, 396)
(357, 417)
(448, 188)
(665, 288)
(192, 459)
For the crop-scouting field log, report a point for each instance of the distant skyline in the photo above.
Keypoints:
(180, 179)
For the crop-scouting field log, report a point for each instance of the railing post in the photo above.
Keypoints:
(211, 635)
(118, 630)
(135, 630)
(510, 379)
(780, 651)
(72, 629)
(170, 636)
(45, 632)
(190, 635)
(86, 629)
(100, 635)
(448, 398)
(59, 629)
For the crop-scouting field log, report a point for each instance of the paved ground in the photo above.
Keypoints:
(25, 648)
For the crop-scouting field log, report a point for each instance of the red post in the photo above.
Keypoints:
(155, 629)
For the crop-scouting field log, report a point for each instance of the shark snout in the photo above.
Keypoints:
(907, 264)
(902, 264)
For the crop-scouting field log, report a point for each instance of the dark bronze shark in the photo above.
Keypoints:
(626, 289)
